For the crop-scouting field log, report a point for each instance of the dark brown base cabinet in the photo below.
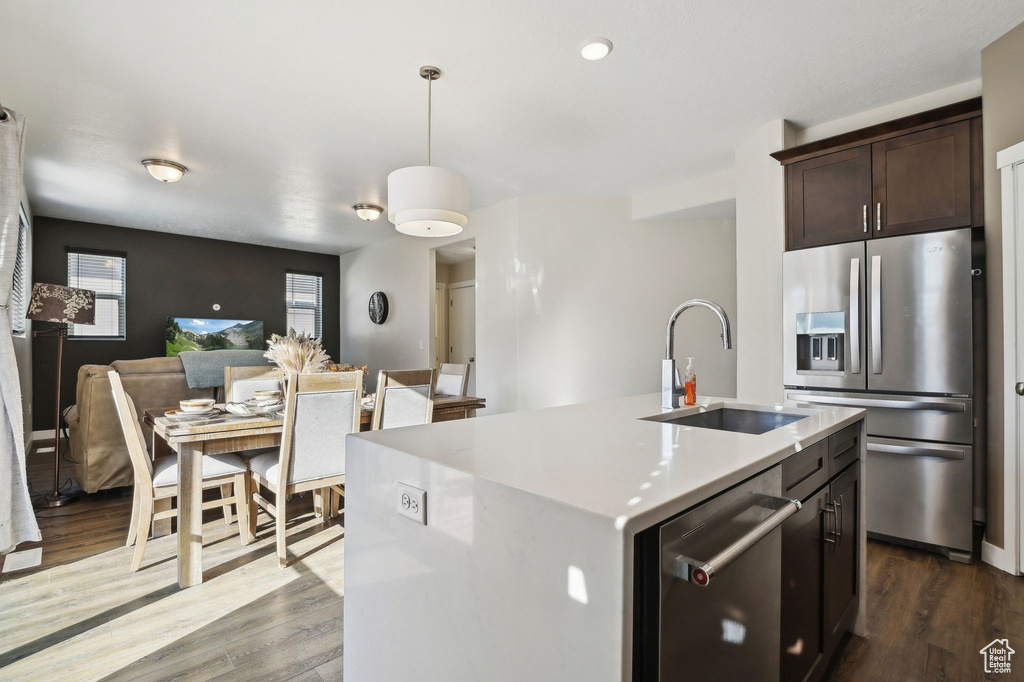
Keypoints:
(781, 609)
(917, 174)
(819, 577)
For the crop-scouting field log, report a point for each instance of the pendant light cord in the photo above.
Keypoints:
(430, 83)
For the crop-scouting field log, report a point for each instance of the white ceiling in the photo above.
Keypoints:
(288, 113)
(459, 252)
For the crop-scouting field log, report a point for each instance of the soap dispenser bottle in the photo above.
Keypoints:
(690, 383)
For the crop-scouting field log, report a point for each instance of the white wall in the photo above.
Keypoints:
(462, 272)
(760, 242)
(596, 290)
(572, 300)
(1002, 69)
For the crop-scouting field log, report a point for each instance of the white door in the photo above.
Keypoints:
(462, 330)
(1010, 557)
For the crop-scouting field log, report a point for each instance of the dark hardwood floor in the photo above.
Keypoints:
(82, 609)
(929, 617)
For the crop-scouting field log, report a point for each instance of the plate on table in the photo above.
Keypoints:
(181, 413)
(256, 402)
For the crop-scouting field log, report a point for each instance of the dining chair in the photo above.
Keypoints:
(404, 398)
(241, 383)
(320, 410)
(158, 479)
(452, 379)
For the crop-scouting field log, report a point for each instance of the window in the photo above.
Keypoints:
(19, 287)
(304, 300)
(104, 274)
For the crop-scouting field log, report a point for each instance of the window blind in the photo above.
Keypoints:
(19, 294)
(104, 274)
(304, 303)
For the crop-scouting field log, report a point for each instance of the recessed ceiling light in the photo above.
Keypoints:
(368, 211)
(595, 48)
(165, 171)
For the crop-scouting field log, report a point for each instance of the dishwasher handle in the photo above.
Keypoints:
(701, 572)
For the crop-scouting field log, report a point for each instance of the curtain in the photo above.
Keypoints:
(17, 521)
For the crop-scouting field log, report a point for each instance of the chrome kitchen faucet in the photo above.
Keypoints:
(671, 386)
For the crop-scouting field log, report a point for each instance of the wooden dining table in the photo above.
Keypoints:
(226, 432)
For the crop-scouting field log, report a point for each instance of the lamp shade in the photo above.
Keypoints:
(57, 303)
(428, 201)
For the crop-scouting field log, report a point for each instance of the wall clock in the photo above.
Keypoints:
(378, 307)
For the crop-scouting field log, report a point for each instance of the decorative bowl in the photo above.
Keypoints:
(196, 405)
(267, 395)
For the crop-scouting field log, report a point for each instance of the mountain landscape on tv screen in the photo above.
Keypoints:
(188, 333)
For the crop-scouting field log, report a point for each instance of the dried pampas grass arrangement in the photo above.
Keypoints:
(297, 353)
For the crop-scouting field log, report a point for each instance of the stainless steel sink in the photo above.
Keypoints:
(754, 422)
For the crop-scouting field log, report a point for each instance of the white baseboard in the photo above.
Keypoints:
(998, 557)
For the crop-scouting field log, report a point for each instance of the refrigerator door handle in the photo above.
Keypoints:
(935, 450)
(876, 314)
(935, 405)
(855, 315)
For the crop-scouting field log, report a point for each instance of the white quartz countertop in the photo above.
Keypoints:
(602, 457)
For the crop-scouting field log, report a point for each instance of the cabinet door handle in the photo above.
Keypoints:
(878, 216)
(865, 217)
(839, 520)
(830, 508)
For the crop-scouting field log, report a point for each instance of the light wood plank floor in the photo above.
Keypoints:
(83, 616)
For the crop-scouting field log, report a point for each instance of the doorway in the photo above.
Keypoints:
(454, 331)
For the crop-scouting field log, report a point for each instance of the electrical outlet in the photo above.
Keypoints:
(421, 345)
(412, 503)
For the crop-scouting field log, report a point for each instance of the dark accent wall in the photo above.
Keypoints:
(167, 275)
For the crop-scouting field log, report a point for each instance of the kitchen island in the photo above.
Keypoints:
(525, 546)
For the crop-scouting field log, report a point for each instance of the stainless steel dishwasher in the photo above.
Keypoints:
(718, 602)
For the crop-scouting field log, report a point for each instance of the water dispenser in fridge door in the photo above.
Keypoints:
(820, 342)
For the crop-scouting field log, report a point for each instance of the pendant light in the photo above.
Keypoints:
(428, 201)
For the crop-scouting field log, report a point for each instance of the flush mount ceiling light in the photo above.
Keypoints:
(165, 171)
(428, 201)
(595, 48)
(368, 211)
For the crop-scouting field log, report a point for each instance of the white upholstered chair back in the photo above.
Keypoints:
(241, 383)
(321, 410)
(134, 439)
(404, 398)
(452, 379)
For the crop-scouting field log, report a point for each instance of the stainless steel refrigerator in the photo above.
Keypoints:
(887, 325)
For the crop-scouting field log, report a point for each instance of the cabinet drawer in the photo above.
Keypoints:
(843, 448)
(806, 471)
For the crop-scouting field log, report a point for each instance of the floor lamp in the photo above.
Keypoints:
(63, 305)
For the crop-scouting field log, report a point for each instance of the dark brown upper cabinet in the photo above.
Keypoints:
(915, 174)
(829, 198)
(922, 181)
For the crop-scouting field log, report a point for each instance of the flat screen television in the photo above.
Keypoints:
(191, 333)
